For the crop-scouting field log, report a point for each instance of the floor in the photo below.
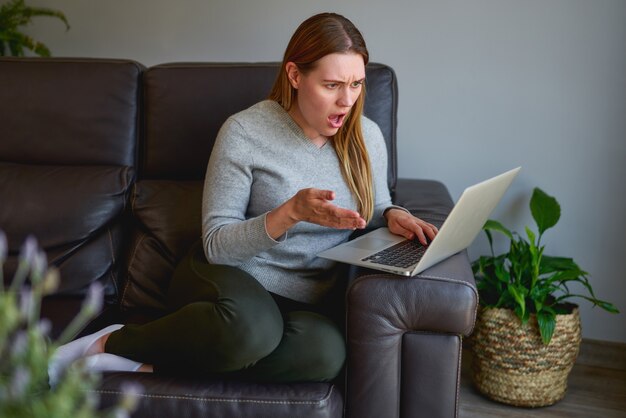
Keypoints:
(592, 392)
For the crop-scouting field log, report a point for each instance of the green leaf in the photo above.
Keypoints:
(15, 14)
(497, 226)
(42, 11)
(524, 279)
(546, 319)
(609, 307)
(551, 264)
(521, 314)
(531, 238)
(519, 299)
(545, 209)
(505, 301)
(490, 239)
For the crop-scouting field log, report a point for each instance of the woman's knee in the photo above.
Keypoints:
(253, 332)
(231, 336)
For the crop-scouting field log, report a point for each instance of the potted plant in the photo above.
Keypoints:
(15, 14)
(26, 347)
(527, 333)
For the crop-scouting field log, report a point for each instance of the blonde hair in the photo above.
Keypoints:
(316, 37)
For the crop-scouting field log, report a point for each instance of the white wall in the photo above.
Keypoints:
(485, 85)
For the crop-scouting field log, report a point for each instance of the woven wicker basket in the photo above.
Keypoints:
(512, 365)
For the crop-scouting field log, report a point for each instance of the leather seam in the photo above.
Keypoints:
(458, 363)
(474, 291)
(130, 262)
(111, 245)
(114, 261)
(225, 400)
(133, 198)
(127, 185)
(458, 377)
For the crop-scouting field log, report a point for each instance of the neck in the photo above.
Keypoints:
(318, 139)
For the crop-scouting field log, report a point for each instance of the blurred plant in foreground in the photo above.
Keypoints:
(26, 348)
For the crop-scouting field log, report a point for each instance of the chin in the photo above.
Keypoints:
(331, 132)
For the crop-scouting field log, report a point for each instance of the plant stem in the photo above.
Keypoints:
(19, 277)
(74, 327)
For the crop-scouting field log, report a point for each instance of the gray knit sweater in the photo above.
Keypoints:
(261, 158)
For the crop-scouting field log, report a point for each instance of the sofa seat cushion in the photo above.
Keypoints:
(71, 210)
(197, 397)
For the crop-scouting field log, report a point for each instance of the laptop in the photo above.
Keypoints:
(385, 251)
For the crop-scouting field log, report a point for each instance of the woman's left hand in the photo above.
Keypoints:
(402, 223)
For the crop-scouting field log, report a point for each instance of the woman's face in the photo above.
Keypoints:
(326, 94)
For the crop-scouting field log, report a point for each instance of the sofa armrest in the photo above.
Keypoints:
(404, 334)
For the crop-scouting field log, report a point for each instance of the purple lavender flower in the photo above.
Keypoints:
(28, 250)
(19, 382)
(27, 303)
(27, 255)
(95, 298)
(44, 326)
(19, 344)
(39, 265)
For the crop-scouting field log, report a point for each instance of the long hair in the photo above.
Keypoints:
(316, 37)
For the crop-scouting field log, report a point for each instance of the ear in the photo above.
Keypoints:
(293, 74)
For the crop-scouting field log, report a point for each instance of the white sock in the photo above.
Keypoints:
(106, 362)
(72, 351)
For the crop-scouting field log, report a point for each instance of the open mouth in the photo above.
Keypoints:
(336, 120)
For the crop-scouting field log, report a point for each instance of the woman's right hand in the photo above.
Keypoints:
(314, 206)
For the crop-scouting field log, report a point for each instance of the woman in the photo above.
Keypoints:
(287, 178)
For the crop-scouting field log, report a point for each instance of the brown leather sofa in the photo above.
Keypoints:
(103, 161)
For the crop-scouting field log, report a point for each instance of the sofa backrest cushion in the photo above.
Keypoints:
(185, 106)
(69, 111)
(67, 162)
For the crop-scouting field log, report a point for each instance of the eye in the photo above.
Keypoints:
(332, 86)
(357, 84)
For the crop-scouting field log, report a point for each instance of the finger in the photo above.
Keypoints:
(401, 226)
(431, 231)
(418, 229)
(421, 236)
(327, 214)
(323, 194)
(346, 219)
(350, 224)
(342, 223)
(341, 213)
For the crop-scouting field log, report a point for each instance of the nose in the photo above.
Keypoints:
(347, 97)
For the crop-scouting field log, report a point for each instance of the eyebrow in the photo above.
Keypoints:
(342, 82)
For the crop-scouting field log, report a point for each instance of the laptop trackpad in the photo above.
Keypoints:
(369, 243)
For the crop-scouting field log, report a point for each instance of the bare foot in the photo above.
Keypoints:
(146, 368)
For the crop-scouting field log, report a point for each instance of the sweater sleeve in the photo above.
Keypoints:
(228, 237)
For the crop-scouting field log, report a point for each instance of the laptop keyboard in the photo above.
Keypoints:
(403, 254)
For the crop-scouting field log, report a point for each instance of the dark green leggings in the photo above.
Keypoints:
(224, 322)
